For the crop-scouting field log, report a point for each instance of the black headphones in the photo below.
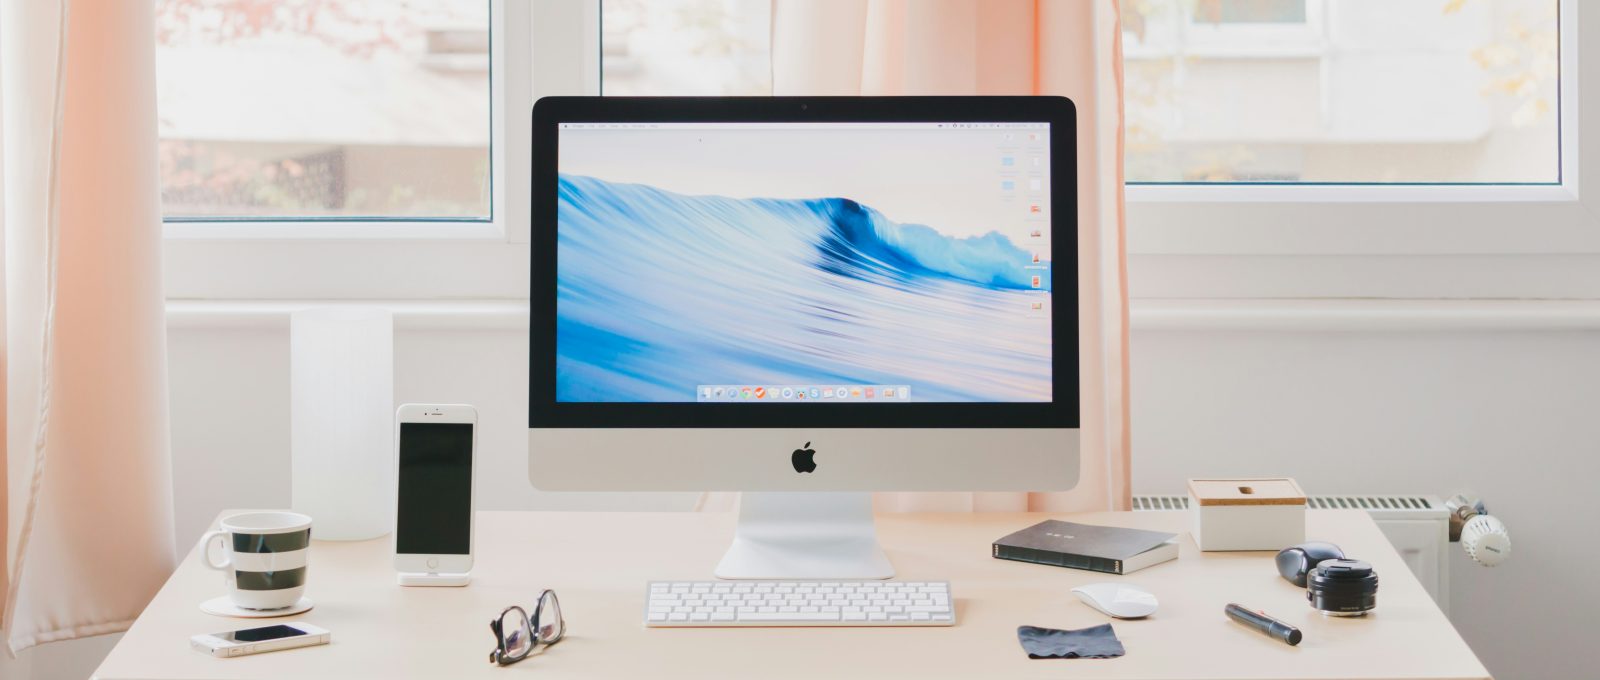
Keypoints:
(1295, 563)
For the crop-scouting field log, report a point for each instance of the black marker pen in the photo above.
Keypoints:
(1268, 626)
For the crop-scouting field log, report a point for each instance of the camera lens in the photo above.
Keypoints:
(1343, 588)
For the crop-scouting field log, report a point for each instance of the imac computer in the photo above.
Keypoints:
(806, 299)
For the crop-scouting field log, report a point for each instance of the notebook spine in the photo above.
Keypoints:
(1057, 559)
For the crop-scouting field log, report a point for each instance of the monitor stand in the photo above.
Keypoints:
(812, 535)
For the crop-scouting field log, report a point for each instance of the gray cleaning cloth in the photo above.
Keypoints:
(1099, 642)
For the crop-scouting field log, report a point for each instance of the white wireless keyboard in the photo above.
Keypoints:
(798, 603)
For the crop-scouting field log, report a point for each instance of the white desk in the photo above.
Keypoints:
(599, 562)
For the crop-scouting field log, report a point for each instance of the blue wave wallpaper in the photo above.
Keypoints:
(661, 292)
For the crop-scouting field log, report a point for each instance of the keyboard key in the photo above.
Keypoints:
(792, 616)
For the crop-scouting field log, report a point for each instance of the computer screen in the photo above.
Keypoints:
(789, 262)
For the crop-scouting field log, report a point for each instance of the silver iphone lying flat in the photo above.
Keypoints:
(259, 640)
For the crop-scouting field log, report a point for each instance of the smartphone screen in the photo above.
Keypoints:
(260, 634)
(435, 516)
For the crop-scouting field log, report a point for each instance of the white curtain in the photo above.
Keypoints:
(87, 496)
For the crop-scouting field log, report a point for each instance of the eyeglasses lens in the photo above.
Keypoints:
(551, 625)
(514, 632)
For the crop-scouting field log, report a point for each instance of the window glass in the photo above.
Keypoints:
(1346, 91)
(344, 109)
(685, 47)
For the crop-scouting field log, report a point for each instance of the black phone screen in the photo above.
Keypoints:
(260, 634)
(435, 513)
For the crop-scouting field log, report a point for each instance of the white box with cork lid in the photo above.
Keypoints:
(1266, 513)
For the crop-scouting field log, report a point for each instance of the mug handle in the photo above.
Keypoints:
(205, 551)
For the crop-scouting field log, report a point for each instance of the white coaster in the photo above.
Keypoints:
(222, 606)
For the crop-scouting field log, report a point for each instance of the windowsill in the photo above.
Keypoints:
(373, 230)
(1145, 314)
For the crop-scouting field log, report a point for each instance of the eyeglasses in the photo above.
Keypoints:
(516, 635)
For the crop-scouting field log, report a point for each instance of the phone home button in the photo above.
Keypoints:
(433, 563)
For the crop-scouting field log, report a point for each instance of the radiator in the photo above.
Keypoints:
(1418, 526)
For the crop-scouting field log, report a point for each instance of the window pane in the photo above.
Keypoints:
(335, 108)
(685, 47)
(1347, 91)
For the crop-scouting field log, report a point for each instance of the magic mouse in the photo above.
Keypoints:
(1118, 599)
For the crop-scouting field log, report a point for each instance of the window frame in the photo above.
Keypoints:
(1383, 241)
(1183, 241)
(241, 259)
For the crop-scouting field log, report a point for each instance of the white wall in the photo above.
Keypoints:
(1366, 401)
(1509, 411)
(230, 413)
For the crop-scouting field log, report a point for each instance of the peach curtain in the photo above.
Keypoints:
(87, 490)
(956, 47)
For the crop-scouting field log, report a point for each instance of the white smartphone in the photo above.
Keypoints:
(433, 529)
(259, 640)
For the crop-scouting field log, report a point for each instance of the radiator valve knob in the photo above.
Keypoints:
(1486, 540)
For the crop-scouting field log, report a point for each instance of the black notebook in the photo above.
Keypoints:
(1113, 550)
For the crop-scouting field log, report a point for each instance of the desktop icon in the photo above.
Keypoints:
(1008, 161)
(888, 393)
(788, 393)
(1035, 209)
(1036, 281)
(1036, 306)
(827, 393)
(1036, 234)
(717, 391)
(802, 459)
(705, 393)
(855, 391)
(1008, 185)
(1035, 184)
(1036, 258)
(800, 394)
(869, 392)
(816, 393)
(842, 394)
(761, 392)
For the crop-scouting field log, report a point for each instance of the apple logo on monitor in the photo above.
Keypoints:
(802, 459)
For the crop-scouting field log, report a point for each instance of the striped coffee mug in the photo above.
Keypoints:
(264, 557)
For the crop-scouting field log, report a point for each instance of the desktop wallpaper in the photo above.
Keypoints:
(764, 262)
